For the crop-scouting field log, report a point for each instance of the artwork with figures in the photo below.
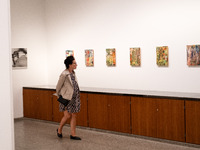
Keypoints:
(89, 58)
(193, 55)
(19, 58)
(110, 57)
(69, 53)
(162, 55)
(135, 57)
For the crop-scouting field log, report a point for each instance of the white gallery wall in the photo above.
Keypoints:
(99, 24)
(28, 31)
(6, 101)
(47, 28)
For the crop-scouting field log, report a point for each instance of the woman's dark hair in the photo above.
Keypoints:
(68, 61)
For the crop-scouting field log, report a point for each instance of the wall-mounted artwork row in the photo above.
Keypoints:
(135, 57)
(19, 58)
(162, 55)
(193, 55)
(111, 57)
(69, 53)
(89, 58)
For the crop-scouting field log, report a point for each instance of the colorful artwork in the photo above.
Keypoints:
(162, 55)
(110, 57)
(135, 57)
(193, 55)
(69, 53)
(19, 58)
(89, 58)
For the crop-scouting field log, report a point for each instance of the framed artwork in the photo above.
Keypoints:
(89, 58)
(19, 58)
(69, 53)
(162, 56)
(193, 55)
(135, 57)
(110, 57)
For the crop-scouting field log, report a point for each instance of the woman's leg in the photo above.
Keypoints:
(73, 124)
(64, 119)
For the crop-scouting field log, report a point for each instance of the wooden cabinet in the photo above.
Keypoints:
(41, 104)
(109, 112)
(29, 102)
(143, 116)
(147, 116)
(82, 117)
(37, 104)
(171, 121)
(97, 111)
(160, 118)
(192, 115)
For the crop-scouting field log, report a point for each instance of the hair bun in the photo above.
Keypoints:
(68, 61)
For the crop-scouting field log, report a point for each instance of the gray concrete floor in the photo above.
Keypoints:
(40, 135)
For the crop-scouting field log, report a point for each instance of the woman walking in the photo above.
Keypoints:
(68, 88)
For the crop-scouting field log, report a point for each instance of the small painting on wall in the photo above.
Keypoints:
(135, 57)
(69, 53)
(89, 58)
(162, 56)
(19, 58)
(193, 55)
(110, 57)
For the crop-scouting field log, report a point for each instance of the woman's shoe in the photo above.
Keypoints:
(75, 137)
(58, 134)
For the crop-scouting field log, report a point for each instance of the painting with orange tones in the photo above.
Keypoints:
(89, 58)
(110, 57)
(135, 57)
(69, 53)
(193, 55)
(162, 55)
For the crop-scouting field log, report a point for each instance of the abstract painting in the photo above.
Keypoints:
(19, 58)
(69, 53)
(193, 55)
(110, 57)
(89, 58)
(162, 55)
(135, 57)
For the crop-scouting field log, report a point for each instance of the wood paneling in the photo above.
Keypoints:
(119, 113)
(144, 116)
(109, 112)
(170, 123)
(38, 104)
(97, 111)
(192, 121)
(155, 117)
(44, 105)
(82, 117)
(160, 118)
(29, 103)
